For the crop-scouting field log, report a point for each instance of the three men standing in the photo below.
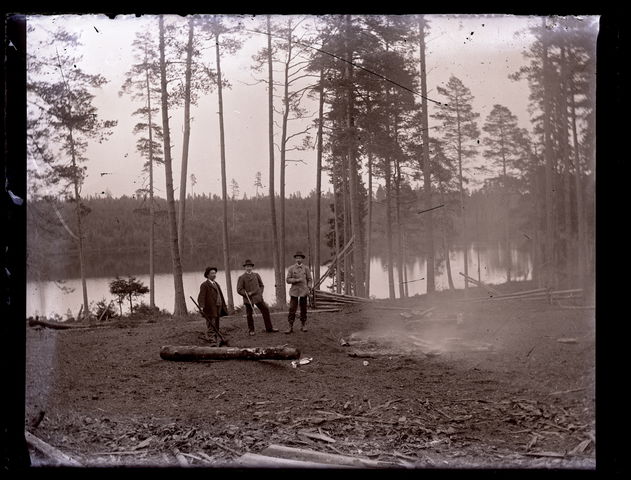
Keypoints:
(250, 287)
(301, 282)
(212, 303)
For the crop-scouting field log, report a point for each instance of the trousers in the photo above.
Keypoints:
(262, 306)
(210, 331)
(293, 306)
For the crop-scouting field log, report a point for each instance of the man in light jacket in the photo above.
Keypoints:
(299, 276)
(250, 287)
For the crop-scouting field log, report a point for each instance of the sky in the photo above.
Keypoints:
(480, 50)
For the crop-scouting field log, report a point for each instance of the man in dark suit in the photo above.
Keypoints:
(212, 303)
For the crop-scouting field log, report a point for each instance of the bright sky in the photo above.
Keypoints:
(480, 50)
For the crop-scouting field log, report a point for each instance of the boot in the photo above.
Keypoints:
(303, 328)
(290, 329)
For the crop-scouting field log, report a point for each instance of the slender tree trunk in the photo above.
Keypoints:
(355, 200)
(180, 302)
(463, 216)
(318, 260)
(565, 153)
(580, 250)
(346, 232)
(369, 216)
(224, 186)
(283, 151)
(281, 299)
(549, 260)
(506, 219)
(338, 246)
(427, 179)
(388, 181)
(152, 212)
(450, 280)
(405, 267)
(77, 196)
(477, 246)
(397, 213)
(186, 136)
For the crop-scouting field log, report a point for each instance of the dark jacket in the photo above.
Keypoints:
(252, 285)
(207, 300)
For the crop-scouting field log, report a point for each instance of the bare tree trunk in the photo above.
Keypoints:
(369, 219)
(281, 299)
(180, 302)
(405, 266)
(356, 220)
(186, 136)
(580, 250)
(506, 220)
(338, 272)
(319, 176)
(397, 213)
(346, 231)
(427, 180)
(152, 212)
(77, 196)
(224, 187)
(565, 153)
(283, 150)
(450, 279)
(463, 217)
(549, 259)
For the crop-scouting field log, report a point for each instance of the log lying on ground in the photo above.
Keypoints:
(257, 460)
(186, 353)
(539, 294)
(33, 322)
(56, 457)
(489, 289)
(291, 453)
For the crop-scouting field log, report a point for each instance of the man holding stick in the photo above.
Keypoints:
(212, 304)
(250, 287)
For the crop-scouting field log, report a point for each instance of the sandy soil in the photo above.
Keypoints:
(504, 384)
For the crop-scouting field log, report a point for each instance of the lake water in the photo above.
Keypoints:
(49, 297)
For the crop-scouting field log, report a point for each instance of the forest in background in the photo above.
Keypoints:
(368, 75)
(117, 231)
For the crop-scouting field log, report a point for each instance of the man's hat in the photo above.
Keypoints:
(299, 254)
(248, 262)
(208, 269)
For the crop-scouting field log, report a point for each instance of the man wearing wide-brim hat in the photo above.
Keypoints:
(250, 287)
(299, 276)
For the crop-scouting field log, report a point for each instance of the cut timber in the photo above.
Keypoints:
(522, 293)
(55, 325)
(57, 457)
(323, 293)
(257, 460)
(480, 284)
(290, 453)
(194, 353)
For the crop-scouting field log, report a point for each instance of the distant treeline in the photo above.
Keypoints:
(117, 231)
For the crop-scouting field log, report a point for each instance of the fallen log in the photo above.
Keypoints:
(257, 460)
(342, 296)
(57, 457)
(522, 293)
(481, 284)
(194, 353)
(290, 453)
(33, 322)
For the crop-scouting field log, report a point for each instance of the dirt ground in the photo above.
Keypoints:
(490, 384)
